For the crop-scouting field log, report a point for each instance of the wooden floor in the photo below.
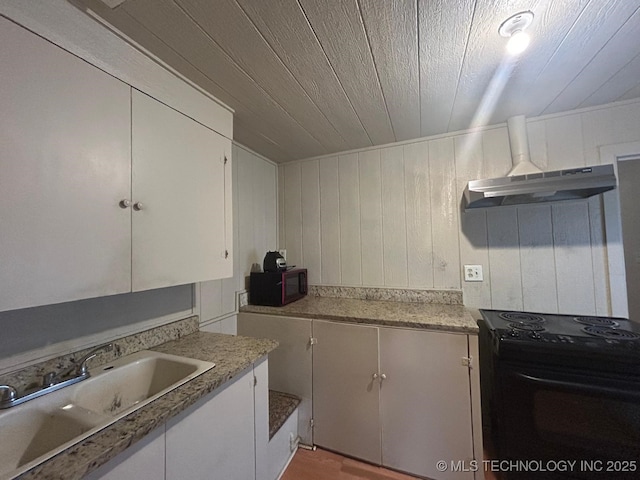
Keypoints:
(324, 465)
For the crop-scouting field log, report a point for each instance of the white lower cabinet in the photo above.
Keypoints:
(261, 422)
(394, 397)
(346, 401)
(290, 365)
(144, 460)
(214, 439)
(425, 402)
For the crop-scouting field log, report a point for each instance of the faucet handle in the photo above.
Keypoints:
(82, 368)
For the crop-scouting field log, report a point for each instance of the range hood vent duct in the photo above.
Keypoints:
(517, 127)
(526, 183)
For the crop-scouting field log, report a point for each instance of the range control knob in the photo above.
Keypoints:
(535, 336)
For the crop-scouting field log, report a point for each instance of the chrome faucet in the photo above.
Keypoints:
(79, 367)
(52, 381)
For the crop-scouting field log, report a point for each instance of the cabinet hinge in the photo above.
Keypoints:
(467, 361)
(313, 341)
(255, 380)
(311, 423)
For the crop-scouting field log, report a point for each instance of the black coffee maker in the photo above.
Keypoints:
(274, 262)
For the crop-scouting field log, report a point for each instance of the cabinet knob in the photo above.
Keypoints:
(124, 203)
(137, 206)
(375, 375)
(383, 376)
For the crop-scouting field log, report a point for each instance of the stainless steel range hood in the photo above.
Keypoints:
(525, 183)
(540, 187)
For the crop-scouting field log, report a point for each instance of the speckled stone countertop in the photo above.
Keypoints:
(232, 356)
(433, 316)
(281, 406)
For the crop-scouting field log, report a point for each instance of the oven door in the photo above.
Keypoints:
(549, 414)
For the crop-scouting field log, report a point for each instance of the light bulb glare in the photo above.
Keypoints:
(518, 42)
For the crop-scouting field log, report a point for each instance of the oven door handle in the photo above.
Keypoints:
(583, 387)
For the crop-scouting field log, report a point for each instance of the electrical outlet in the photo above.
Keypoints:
(243, 299)
(283, 252)
(473, 273)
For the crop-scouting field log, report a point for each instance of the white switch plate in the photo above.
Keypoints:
(283, 252)
(473, 273)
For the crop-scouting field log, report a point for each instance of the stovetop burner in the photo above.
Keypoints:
(521, 318)
(568, 332)
(597, 321)
(560, 328)
(527, 327)
(610, 333)
(601, 344)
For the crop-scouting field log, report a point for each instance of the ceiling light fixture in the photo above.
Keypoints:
(513, 28)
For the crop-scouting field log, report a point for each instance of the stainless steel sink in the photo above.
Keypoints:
(39, 429)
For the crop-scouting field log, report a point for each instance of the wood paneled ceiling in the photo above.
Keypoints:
(313, 77)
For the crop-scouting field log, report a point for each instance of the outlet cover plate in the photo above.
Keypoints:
(473, 273)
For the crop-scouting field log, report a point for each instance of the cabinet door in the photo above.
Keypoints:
(261, 419)
(64, 167)
(290, 367)
(143, 460)
(345, 394)
(425, 402)
(214, 439)
(181, 177)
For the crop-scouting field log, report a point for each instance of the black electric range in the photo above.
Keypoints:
(561, 387)
(597, 343)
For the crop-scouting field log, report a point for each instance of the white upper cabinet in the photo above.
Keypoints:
(64, 166)
(75, 142)
(181, 186)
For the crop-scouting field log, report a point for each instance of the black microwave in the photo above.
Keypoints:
(277, 288)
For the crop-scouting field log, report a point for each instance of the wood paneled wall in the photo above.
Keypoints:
(254, 229)
(391, 216)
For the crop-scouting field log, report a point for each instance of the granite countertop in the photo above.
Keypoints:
(281, 406)
(432, 316)
(231, 354)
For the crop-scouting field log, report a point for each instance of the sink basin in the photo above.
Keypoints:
(41, 428)
(33, 434)
(141, 378)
